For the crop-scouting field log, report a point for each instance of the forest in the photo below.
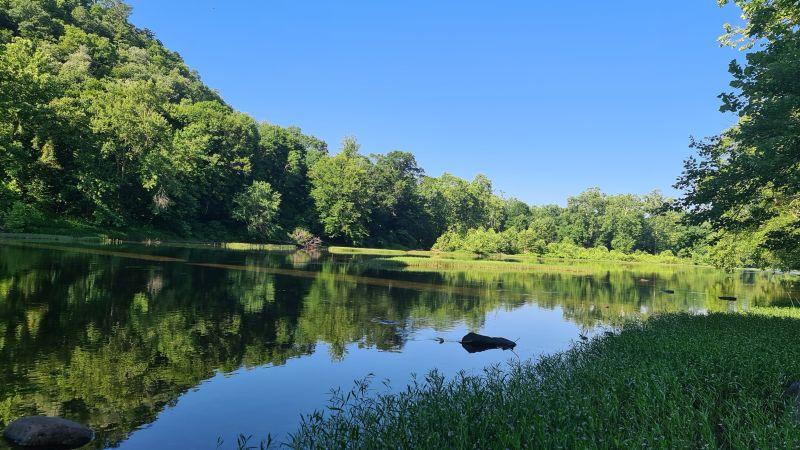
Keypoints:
(103, 128)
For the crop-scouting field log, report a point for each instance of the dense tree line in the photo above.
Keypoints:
(102, 126)
(591, 220)
(100, 122)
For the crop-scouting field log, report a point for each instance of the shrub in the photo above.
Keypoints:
(22, 217)
(305, 239)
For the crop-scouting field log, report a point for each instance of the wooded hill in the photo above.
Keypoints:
(101, 126)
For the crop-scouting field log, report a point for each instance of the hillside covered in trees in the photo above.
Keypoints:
(102, 127)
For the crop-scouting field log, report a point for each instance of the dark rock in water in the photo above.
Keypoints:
(473, 342)
(49, 432)
(668, 291)
(727, 297)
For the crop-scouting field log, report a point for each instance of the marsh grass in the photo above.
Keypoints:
(675, 381)
(438, 264)
(557, 254)
(244, 246)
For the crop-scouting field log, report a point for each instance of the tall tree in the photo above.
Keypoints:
(583, 217)
(398, 217)
(746, 182)
(342, 193)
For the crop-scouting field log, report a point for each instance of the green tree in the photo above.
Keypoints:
(583, 224)
(398, 217)
(283, 160)
(747, 180)
(342, 193)
(546, 221)
(453, 202)
(517, 213)
(257, 206)
(622, 224)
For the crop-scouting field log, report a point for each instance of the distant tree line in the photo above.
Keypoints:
(102, 126)
(623, 223)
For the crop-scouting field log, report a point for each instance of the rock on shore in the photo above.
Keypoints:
(53, 432)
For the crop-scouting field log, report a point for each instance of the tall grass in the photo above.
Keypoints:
(675, 381)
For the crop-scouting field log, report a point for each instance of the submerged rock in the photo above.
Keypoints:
(49, 432)
(473, 342)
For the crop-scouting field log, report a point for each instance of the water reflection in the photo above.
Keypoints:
(111, 336)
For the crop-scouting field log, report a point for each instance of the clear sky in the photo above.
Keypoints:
(545, 98)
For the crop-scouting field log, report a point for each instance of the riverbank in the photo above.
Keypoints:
(675, 381)
(74, 228)
(392, 259)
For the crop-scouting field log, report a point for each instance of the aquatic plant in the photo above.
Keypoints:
(675, 381)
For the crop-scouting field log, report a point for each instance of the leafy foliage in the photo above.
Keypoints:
(101, 125)
(305, 239)
(746, 181)
(258, 206)
(592, 220)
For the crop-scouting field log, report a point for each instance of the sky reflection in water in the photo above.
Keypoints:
(175, 346)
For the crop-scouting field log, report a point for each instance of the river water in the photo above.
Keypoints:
(180, 346)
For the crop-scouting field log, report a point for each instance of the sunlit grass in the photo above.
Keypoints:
(439, 264)
(435, 258)
(259, 247)
(365, 251)
(675, 381)
(393, 252)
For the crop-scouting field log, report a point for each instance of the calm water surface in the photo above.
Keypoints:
(167, 346)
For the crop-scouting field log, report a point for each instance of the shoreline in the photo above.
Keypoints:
(676, 380)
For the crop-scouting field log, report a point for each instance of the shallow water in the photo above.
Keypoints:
(164, 347)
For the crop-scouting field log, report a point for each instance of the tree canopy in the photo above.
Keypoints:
(746, 181)
(102, 126)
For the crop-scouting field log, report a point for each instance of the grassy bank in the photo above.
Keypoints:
(441, 263)
(503, 263)
(434, 259)
(675, 381)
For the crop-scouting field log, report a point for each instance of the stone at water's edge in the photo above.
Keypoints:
(41, 431)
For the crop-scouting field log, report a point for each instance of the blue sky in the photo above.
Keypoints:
(545, 98)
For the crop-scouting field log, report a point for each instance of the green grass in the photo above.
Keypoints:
(365, 251)
(440, 260)
(394, 252)
(442, 263)
(675, 381)
(49, 237)
(258, 247)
